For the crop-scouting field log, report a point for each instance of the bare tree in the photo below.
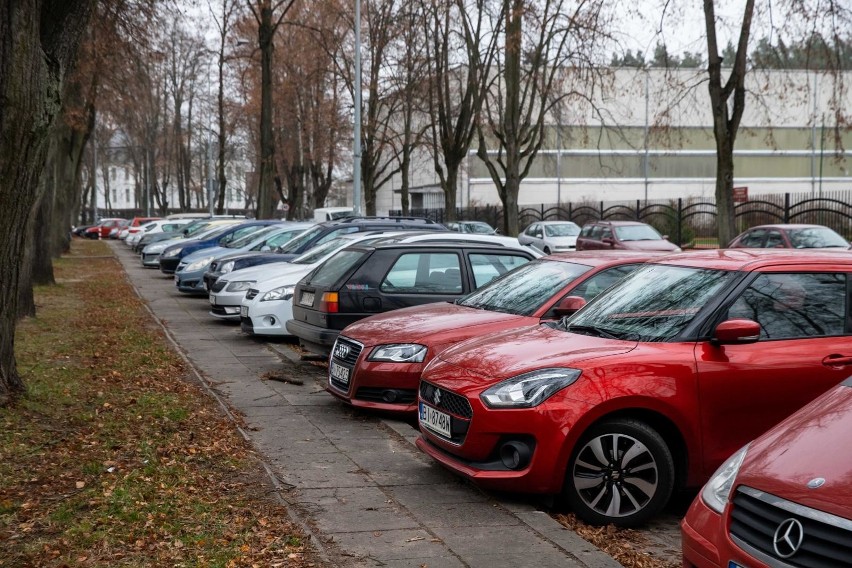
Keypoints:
(268, 15)
(545, 45)
(459, 75)
(39, 41)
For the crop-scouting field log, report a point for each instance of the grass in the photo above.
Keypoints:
(114, 457)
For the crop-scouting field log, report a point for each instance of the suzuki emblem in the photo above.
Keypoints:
(436, 397)
(816, 483)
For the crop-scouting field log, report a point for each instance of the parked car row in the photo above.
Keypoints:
(609, 377)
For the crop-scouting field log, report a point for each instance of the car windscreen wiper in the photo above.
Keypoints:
(592, 330)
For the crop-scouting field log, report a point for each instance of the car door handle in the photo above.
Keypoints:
(837, 361)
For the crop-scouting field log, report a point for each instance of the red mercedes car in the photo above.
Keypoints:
(647, 388)
(376, 362)
(783, 500)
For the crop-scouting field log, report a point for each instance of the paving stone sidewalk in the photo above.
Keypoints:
(354, 481)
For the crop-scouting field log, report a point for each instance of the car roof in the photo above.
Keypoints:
(380, 220)
(597, 258)
(755, 259)
(787, 226)
(555, 222)
(445, 246)
(617, 223)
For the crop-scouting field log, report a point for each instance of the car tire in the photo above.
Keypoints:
(602, 491)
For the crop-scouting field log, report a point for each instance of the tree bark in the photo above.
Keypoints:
(38, 40)
(265, 34)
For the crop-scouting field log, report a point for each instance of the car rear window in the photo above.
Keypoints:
(524, 290)
(330, 271)
(487, 267)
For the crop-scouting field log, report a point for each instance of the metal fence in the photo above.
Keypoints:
(690, 222)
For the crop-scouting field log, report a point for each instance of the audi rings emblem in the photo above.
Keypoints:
(341, 351)
(436, 397)
(788, 538)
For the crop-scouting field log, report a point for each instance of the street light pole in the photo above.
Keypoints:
(356, 142)
(209, 151)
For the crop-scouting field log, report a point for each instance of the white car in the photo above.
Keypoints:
(551, 236)
(158, 226)
(268, 304)
(229, 291)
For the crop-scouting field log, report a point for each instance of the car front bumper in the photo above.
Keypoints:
(706, 543)
(384, 386)
(190, 283)
(266, 318)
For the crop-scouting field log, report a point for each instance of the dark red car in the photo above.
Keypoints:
(783, 500)
(623, 235)
(103, 228)
(376, 362)
(647, 388)
(795, 236)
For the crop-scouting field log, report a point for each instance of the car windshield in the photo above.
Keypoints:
(525, 289)
(655, 303)
(278, 239)
(301, 240)
(251, 238)
(562, 230)
(320, 251)
(330, 271)
(480, 228)
(816, 237)
(637, 233)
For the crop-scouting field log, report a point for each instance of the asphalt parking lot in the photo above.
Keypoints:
(355, 481)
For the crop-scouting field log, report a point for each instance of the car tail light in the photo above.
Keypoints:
(328, 303)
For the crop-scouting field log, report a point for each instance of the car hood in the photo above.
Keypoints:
(807, 445)
(288, 276)
(430, 323)
(204, 253)
(509, 353)
(651, 245)
(561, 241)
(263, 272)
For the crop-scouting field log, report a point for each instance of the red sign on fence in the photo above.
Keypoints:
(741, 194)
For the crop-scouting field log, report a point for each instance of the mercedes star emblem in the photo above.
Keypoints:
(788, 538)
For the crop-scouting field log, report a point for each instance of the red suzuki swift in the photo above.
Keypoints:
(376, 362)
(647, 388)
(783, 500)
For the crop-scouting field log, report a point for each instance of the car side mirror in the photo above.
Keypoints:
(736, 332)
(608, 241)
(265, 248)
(568, 305)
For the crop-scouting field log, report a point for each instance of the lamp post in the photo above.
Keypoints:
(356, 142)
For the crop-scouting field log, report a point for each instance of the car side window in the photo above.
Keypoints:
(586, 231)
(795, 305)
(534, 230)
(774, 240)
(596, 284)
(595, 233)
(754, 239)
(424, 273)
(487, 267)
(606, 234)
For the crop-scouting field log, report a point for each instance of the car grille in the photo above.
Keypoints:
(252, 293)
(352, 348)
(450, 402)
(218, 286)
(150, 257)
(756, 517)
(377, 394)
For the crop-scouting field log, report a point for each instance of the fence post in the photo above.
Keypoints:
(570, 211)
(679, 221)
(601, 212)
(638, 204)
(786, 207)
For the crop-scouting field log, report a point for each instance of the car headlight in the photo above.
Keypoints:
(399, 353)
(240, 285)
(280, 293)
(227, 267)
(529, 389)
(198, 264)
(716, 492)
(151, 249)
(172, 252)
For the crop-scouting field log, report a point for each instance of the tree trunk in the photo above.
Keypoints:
(223, 182)
(37, 43)
(265, 34)
(450, 190)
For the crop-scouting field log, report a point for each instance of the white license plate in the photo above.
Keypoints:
(212, 300)
(338, 372)
(243, 311)
(307, 299)
(436, 420)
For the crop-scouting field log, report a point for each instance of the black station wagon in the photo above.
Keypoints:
(360, 281)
